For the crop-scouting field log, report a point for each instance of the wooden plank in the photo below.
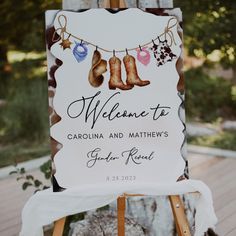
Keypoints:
(198, 160)
(226, 198)
(18, 194)
(114, 3)
(6, 217)
(181, 221)
(220, 179)
(59, 227)
(215, 168)
(226, 210)
(228, 177)
(12, 201)
(12, 205)
(12, 231)
(216, 171)
(123, 4)
(232, 232)
(223, 189)
(14, 223)
(228, 225)
(8, 225)
(121, 206)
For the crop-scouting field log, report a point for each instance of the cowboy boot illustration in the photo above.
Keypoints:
(115, 75)
(132, 74)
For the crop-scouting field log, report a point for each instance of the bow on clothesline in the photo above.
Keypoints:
(62, 31)
(169, 32)
(61, 28)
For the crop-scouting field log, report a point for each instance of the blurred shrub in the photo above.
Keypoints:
(16, 151)
(209, 25)
(26, 114)
(208, 98)
(223, 139)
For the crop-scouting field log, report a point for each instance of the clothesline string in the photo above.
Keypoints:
(63, 31)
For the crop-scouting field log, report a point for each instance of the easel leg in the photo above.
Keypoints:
(123, 4)
(180, 218)
(59, 227)
(114, 3)
(121, 205)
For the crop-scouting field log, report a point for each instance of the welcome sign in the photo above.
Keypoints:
(117, 99)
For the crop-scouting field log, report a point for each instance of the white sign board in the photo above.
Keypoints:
(117, 98)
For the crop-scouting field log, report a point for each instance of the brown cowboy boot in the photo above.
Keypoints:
(132, 74)
(115, 73)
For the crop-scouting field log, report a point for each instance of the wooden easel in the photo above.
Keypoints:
(177, 206)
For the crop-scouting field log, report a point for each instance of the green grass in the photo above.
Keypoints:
(223, 140)
(22, 151)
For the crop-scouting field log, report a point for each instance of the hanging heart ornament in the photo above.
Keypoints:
(80, 51)
(143, 55)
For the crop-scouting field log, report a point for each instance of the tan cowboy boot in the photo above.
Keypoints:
(132, 74)
(115, 73)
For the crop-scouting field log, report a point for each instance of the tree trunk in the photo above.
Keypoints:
(5, 69)
(4, 64)
(3, 54)
(234, 74)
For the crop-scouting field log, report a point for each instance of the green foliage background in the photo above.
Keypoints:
(23, 83)
(22, 23)
(208, 97)
(210, 25)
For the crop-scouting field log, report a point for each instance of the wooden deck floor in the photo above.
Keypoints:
(218, 173)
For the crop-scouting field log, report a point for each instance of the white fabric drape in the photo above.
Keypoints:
(47, 206)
